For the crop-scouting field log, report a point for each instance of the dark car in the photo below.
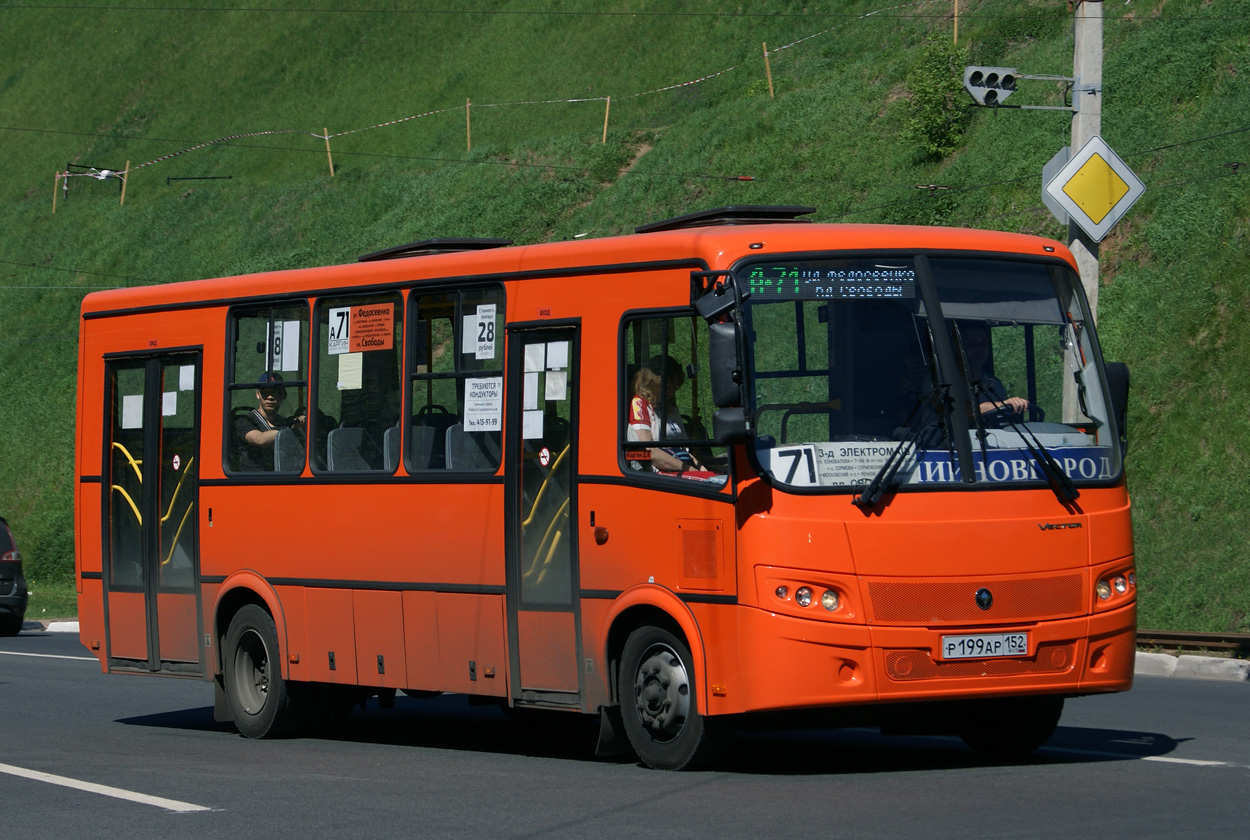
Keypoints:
(12, 584)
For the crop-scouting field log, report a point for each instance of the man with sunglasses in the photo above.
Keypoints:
(258, 429)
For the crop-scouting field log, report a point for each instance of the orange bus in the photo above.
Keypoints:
(733, 465)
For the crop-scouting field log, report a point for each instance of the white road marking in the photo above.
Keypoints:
(1193, 761)
(1130, 757)
(49, 656)
(104, 790)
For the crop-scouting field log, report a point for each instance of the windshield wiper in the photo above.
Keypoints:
(1060, 484)
(883, 481)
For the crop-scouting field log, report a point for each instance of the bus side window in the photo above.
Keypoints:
(667, 401)
(358, 396)
(268, 390)
(456, 380)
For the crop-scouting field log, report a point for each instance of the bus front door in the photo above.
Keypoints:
(151, 571)
(542, 580)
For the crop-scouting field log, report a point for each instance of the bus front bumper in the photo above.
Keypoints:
(792, 663)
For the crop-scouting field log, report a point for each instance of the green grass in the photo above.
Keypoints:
(103, 87)
(52, 601)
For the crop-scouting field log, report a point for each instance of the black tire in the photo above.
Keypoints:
(659, 703)
(1010, 727)
(10, 625)
(262, 703)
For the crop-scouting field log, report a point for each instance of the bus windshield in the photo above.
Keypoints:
(904, 371)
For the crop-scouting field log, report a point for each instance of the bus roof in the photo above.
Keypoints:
(718, 246)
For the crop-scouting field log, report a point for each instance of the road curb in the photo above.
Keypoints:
(61, 626)
(1191, 667)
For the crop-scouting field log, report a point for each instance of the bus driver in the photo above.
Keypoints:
(258, 429)
(644, 418)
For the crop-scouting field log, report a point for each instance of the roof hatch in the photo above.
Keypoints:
(741, 214)
(428, 247)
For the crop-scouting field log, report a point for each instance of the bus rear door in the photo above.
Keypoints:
(150, 536)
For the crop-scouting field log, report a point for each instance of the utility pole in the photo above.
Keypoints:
(1086, 124)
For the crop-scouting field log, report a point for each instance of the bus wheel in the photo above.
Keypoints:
(262, 703)
(1010, 727)
(658, 704)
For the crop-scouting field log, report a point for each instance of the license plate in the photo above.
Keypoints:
(985, 645)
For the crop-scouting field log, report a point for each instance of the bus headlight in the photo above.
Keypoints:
(803, 596)
(829, 600)
(782, 592)
(1103, 589)
(1120, 584)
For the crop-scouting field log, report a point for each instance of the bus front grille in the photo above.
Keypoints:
(955, 602)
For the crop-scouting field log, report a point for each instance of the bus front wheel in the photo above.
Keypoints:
(658, 703)
(1011, 726)
(262, 703)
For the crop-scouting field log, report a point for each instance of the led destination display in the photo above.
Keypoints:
(846, 280)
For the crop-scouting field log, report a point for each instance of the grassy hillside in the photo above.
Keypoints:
(845, 133)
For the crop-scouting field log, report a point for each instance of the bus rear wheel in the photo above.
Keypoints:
(659, 705)
(1010, 727)
(262, 703)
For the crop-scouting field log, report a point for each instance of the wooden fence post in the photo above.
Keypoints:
(607, 110)
(768, 71)
(329, 157)
(125, 179)
(468, 128)
(56, 186)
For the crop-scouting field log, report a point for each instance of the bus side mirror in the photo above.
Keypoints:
(729, 426)
(725, 368)
(1117, 383)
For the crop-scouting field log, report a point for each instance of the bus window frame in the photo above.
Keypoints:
(231, 384)
(625, 394)
(340, 298)
(458, 375)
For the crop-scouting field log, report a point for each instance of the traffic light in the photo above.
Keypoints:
(990, 85)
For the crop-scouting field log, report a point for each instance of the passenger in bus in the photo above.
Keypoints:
(988, 389)
(257, 430)
(644, 417)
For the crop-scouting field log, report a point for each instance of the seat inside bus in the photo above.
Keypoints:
(288, 452)
(347, 445)
(473, 450)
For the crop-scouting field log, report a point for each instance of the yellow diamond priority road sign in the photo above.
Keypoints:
(1095, 188)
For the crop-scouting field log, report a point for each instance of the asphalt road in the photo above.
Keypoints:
(89, 755)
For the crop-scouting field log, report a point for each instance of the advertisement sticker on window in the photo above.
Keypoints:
(483, 404)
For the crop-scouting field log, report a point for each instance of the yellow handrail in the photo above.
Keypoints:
(177, 534)
(133, 463)
(562, 512)
(543, 488)
(177, 489)
(131, 502)
(555, 543)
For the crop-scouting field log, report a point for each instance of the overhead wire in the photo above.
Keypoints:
(1060, 14)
